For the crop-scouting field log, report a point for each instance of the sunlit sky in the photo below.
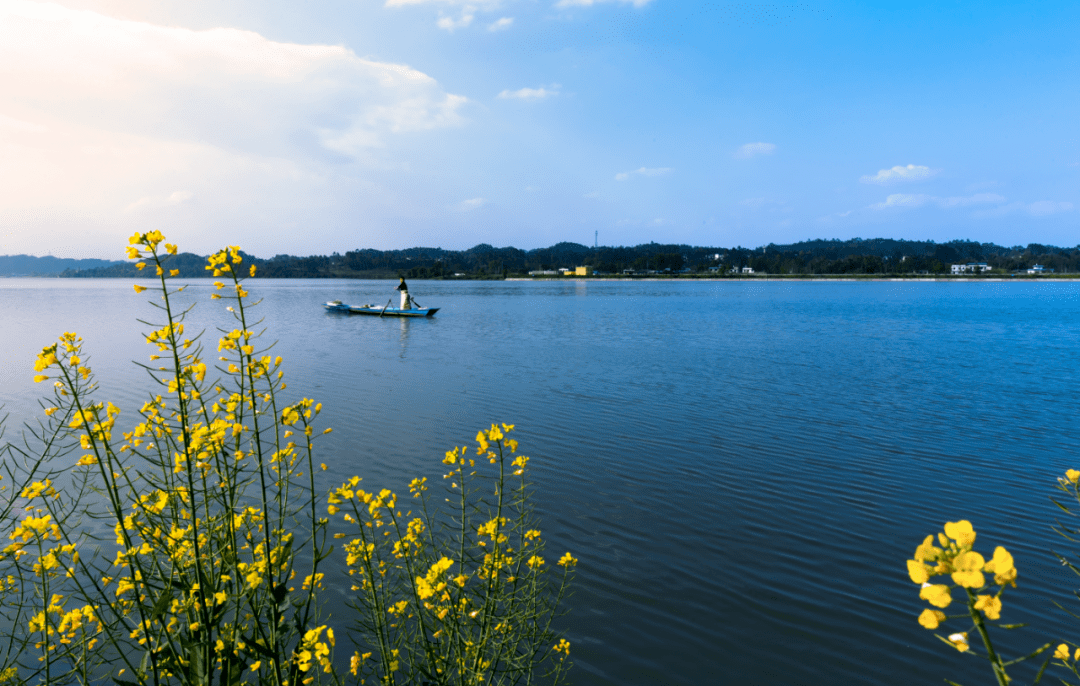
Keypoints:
(330, 125)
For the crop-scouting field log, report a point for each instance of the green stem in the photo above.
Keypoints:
(991, 654)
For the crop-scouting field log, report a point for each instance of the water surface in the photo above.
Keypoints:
(741, 468)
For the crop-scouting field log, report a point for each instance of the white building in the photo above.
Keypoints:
(973, 267)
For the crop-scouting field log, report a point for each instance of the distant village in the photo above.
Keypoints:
(969, 269)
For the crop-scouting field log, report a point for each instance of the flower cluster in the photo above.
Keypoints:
(966, 568)
(456, 592)
(213, 574)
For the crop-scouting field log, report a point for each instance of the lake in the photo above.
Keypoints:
(742, 468)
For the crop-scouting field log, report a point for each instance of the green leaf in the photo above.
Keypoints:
(1026, 657)
(1038, 677)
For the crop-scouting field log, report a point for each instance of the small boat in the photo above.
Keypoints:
(376, 310)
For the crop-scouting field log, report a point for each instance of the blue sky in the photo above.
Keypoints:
(331, 125)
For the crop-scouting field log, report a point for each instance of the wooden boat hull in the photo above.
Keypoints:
(373, 310)
(394, 311)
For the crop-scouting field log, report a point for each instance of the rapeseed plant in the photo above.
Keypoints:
(967, 569)
(213, 568)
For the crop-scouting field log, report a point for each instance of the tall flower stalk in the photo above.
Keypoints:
(191, 549)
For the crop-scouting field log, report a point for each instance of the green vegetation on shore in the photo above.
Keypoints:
(870, 257)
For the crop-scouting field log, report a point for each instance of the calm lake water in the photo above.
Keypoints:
(741, 468)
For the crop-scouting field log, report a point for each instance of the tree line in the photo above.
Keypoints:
(854, 256)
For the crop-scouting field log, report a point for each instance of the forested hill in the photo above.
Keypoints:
(28, 265)
(854, 256)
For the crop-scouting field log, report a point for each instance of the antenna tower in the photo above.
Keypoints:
(596, 240)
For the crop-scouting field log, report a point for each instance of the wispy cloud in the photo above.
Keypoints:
(501, 24)
(1039, 208)
(749, 150)
(1044, 207)
(657, 221)
(21, 126)
(760, 203)
(898, 174)
(644, 171)
(471, 204)
(912, 200)
(175, 198)
(471, 4)
(589, 3)
(450, 24)
(530, 93)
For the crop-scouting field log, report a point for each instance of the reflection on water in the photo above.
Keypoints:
(742, 469)
(405, 323)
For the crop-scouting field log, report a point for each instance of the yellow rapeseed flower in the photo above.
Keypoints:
(918, 572)
(138, 288)
(1072, 475)
(968, 570)
(1002, 567)
(936, 594)
(931, 619)
(1062, 652)
(990, 606)
(961, 532)
(959, 641)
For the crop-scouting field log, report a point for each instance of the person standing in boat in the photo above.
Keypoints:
(404, 294)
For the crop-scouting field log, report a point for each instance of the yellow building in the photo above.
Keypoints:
(583, 271)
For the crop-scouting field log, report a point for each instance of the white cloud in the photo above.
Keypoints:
(644, 171)
(977, 199)
(657, 221)
(99, 115)
(12, 124)
(450, 24)
(471, 204)
(766, 203)
(174, 198)
(530, 93)
(472, 4)
(911, 172)
(179, 84)
(1045, 207)
(589, 3)
(501, 24)
(911, 200)
(749, 150)
(1039, 208)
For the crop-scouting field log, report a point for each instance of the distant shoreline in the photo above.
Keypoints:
(809, 277)
(853, 278)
